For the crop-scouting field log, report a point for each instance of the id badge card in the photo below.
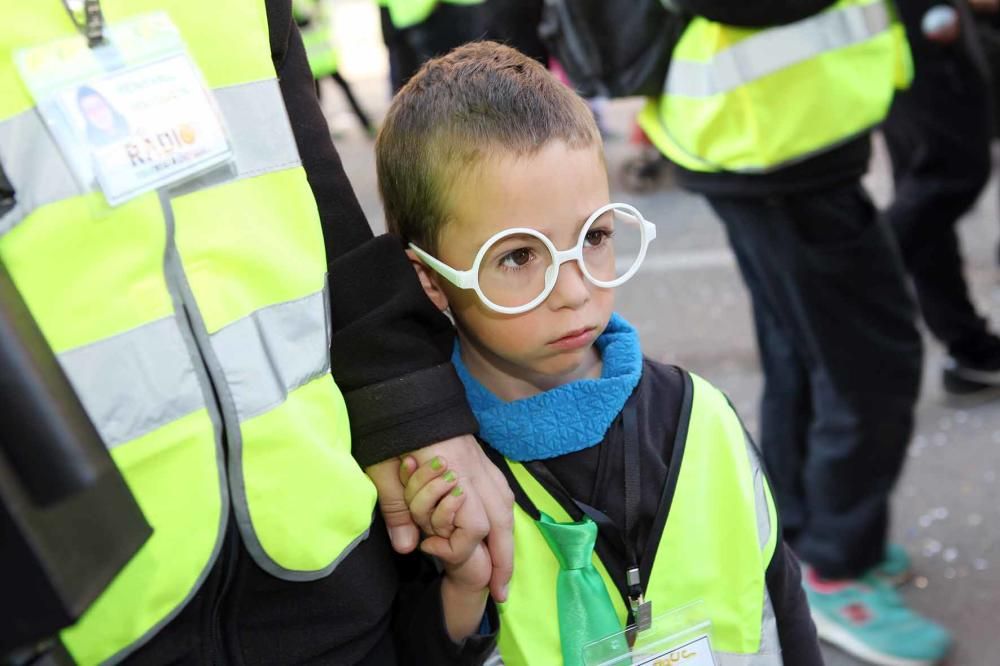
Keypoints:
(681, 637)
(130, 115)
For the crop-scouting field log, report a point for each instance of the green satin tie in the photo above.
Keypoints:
(585, 610)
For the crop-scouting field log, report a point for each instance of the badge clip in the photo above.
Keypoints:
(642, 610)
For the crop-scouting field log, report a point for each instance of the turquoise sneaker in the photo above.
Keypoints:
(868, 619)
(896, 568)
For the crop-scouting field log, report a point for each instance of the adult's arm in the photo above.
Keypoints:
(752, 13)
(391, 347)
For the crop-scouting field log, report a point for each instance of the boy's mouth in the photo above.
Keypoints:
(581, 337)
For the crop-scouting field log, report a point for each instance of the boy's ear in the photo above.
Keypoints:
(429, 281)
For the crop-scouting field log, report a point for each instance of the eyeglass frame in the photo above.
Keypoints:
(469, 279)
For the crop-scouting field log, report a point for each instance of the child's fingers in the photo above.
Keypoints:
(443, 518)
(423, 504)
(407, 468)
(424, 474)
(440, 548)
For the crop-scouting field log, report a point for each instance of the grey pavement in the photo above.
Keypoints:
(691, 309)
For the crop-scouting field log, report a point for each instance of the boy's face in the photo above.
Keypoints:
(553, 191)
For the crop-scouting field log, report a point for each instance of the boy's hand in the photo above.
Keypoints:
(435, 500)
(432, 495)
(485, 486)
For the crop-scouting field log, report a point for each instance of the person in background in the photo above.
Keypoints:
(323, 55)
(938, 134)
(415, 31)
(778, 145)
(515, 23)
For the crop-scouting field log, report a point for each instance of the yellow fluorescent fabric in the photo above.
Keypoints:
(529, 630)
(74, 235)
(408, 13)
(801, 108)
(713, 515)
(91, 273)
(281, 256)
(709, 550)
(329, 499)
(173, 475)
(39, 22)
(30, 23)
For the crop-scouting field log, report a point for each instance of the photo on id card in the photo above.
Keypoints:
(678, 637)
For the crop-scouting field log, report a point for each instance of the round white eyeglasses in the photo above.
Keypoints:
(516, 269)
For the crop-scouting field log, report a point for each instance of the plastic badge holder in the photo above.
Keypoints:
(679, 637)
(130, 115)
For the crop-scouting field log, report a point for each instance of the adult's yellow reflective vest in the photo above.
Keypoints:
(408, 13)
(189, 318)
(754, 100)
(719, 536)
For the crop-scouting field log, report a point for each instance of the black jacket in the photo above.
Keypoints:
(839, 165)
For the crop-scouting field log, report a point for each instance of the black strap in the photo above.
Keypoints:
(633, 493)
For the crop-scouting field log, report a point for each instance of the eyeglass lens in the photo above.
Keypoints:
(512, 271)
(612, 244)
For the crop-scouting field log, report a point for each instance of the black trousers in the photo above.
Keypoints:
(841, 357)
(938, 134)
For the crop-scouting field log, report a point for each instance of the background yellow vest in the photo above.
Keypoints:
(180, 317)
(408, 13)
(719, 537)
(754, 100)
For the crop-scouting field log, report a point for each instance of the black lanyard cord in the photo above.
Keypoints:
(633, 493)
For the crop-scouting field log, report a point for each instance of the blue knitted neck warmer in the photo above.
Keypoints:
(568, 418)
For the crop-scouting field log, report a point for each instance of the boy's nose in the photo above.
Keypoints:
(572, 289)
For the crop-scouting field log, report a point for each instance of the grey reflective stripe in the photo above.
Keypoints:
(494, 658)
(760, 496)
(273, 351)
(254, 115)
(258, 127)
(775, 49)
(135, 382)
(770, 643)
(34, 165)
(201, 374)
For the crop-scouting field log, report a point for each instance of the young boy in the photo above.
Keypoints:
(638, 491)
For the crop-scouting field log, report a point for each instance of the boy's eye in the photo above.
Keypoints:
(516, 258)
(596, 237)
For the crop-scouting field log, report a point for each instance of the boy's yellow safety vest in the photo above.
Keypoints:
(718, 539)
(186, 320)
(754, 100)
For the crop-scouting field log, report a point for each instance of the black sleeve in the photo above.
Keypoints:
(796, 631)
(418, 621)
(753, 14)
(391, 347)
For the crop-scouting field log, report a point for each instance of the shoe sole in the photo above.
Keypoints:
(837, 636)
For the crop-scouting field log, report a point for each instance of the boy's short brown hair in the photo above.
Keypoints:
(481, 99)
